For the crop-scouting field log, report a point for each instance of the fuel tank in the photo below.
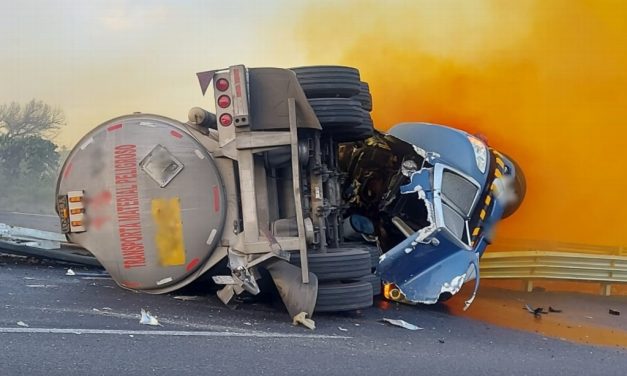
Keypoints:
(152, 207)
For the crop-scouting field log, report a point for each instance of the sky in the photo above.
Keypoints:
(544, 81)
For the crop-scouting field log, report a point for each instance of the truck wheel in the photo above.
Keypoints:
(338, 113)
(364, 97)
(336, 297)
(374, 280)
(328, 81)
(372, 250)
(337, 264)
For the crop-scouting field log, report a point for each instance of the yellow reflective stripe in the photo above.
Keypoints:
(166, 214)
(475, 232)
(499, 162)
(488, 200)
(497, 173)
(482, 214)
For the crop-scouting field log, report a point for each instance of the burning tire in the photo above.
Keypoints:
(328, 81)
(336, 297)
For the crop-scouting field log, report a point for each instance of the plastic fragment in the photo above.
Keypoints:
(148, 319)
(302, 319)
(342, 329)
(22, 323)
(70, 272)
(402, 324)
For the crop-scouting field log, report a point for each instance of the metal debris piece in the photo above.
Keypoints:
(535, 311)
(70, 272)
(342, 329)
(186, 297)
(614, 312)
(301, 318)
(554, 310)
(22, 323)
(402, 324)
(148, 319)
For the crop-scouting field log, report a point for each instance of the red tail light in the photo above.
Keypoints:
(222, 84)
(226, 120)
(224, 101)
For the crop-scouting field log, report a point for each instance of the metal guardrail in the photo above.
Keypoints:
(43, 244)
(575, 266)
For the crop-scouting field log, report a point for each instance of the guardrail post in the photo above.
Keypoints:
(528, 285)
(606, 289)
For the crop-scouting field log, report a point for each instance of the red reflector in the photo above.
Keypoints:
(226, 119)
(222, 84)
(224, 101)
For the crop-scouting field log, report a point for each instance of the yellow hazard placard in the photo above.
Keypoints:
(166, 214)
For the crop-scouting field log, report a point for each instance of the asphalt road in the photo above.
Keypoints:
(79, 325)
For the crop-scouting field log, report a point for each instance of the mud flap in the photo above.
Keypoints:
(424, 271)
(297, 296)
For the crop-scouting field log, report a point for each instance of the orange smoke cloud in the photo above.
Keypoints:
(545, 81)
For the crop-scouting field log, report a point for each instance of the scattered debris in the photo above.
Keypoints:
(342, 329)
(588, 317)
(535, 311)
(107, 308)
(440, 340)
(42, 286)
(302, 319)
(248, 323)
(148, 319)
(70, 272)
(22, 323)
(186, 297)
(402, 324)
(554, 310)
(614, 312)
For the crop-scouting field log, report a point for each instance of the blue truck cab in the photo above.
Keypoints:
(434, 205)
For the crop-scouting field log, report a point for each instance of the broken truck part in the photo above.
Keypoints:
(286, 178)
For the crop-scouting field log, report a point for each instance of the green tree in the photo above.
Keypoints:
(29, 159)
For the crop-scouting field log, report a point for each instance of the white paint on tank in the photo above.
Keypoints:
(199, 154)
(212, 235)
(164, 281)
(87, 143)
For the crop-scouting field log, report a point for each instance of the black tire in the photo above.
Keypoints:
(328, 81)
(337, 264)
(335, 113)
(374, 280)
(372, 249)
(336, 297)
(364, 97)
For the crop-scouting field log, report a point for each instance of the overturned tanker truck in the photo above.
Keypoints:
(287, 180)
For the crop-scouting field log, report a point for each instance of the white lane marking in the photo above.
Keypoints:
(165, 280)
(87, 143)
(34, 215)
(199, 154)
(173, 333)
(211, 236)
